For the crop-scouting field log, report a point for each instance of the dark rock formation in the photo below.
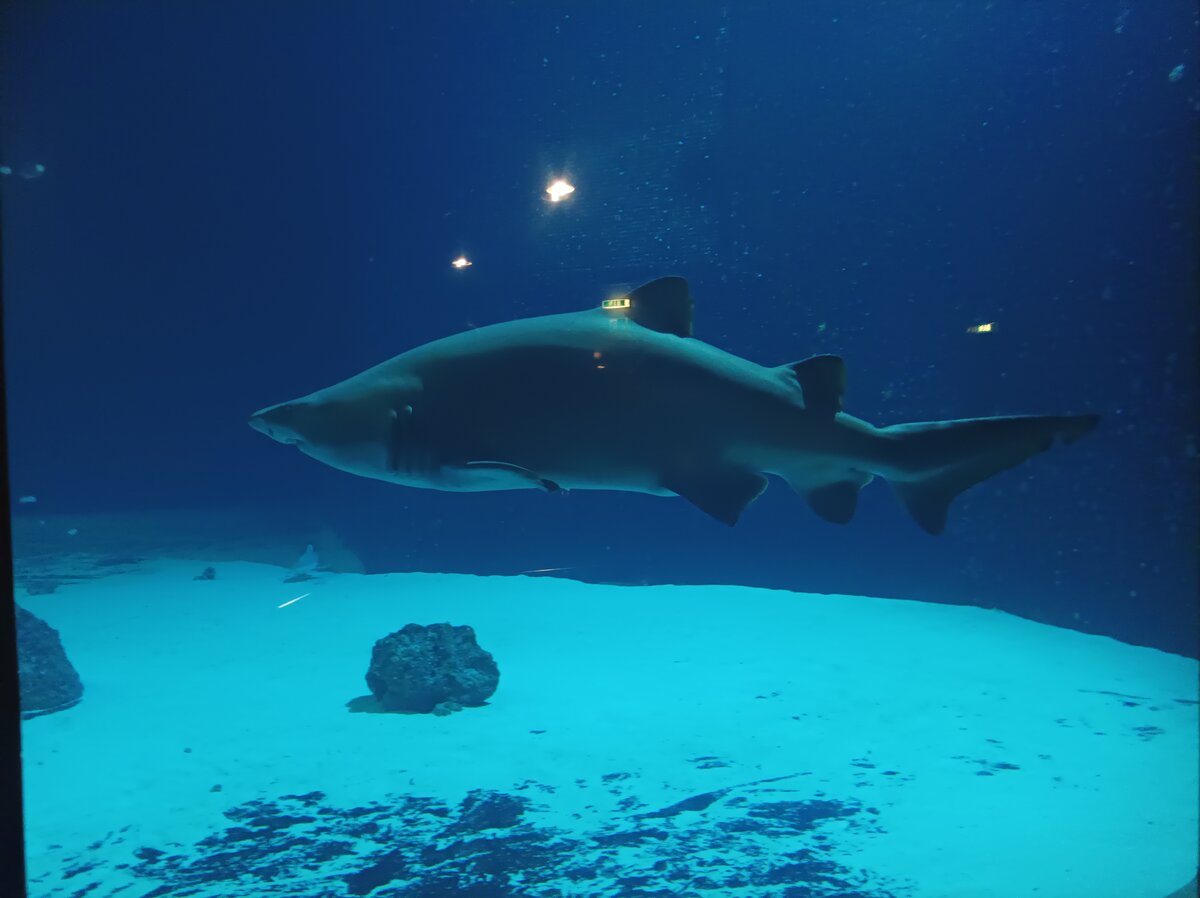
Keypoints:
(498, 844)
(421, 668)
(49, 682)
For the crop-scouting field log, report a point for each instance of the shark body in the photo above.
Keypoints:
(622, 397)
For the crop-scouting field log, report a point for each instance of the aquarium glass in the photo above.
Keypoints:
(604, 449)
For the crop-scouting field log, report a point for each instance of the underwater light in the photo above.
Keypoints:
(559, 189)
(462, 262)
(297, 599)
(621, 303)
(982, 328)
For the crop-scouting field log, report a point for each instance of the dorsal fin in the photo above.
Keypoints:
(823, 380)
(663, 305)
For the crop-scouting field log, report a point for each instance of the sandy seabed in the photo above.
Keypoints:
(665, 740)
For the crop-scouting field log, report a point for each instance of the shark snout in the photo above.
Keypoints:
(274, 421)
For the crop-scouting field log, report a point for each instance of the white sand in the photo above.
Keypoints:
(633, 680)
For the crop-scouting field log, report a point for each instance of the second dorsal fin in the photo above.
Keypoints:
(823, 380)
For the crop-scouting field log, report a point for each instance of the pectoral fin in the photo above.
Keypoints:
(523, 475)
(723, 493)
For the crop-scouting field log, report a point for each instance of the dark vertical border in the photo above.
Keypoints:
(12, 829)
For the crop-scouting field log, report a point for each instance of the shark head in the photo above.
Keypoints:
(353, 430)
(285, 423)
(331, 429)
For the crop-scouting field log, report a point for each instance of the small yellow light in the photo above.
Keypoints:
(559, 189)
(982, 328)
(462, 262)
(621, 303)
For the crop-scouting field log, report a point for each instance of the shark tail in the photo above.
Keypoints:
(932, 462)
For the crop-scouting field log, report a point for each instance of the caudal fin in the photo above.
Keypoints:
(935, 461)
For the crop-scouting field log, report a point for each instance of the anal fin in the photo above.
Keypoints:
(929, 501)
(834, 502)
(722, 493)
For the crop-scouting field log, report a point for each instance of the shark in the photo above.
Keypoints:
(622, 396)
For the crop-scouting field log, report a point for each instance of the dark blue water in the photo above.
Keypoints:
(242, 204)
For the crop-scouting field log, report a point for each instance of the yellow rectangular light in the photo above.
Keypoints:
(622, 303)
